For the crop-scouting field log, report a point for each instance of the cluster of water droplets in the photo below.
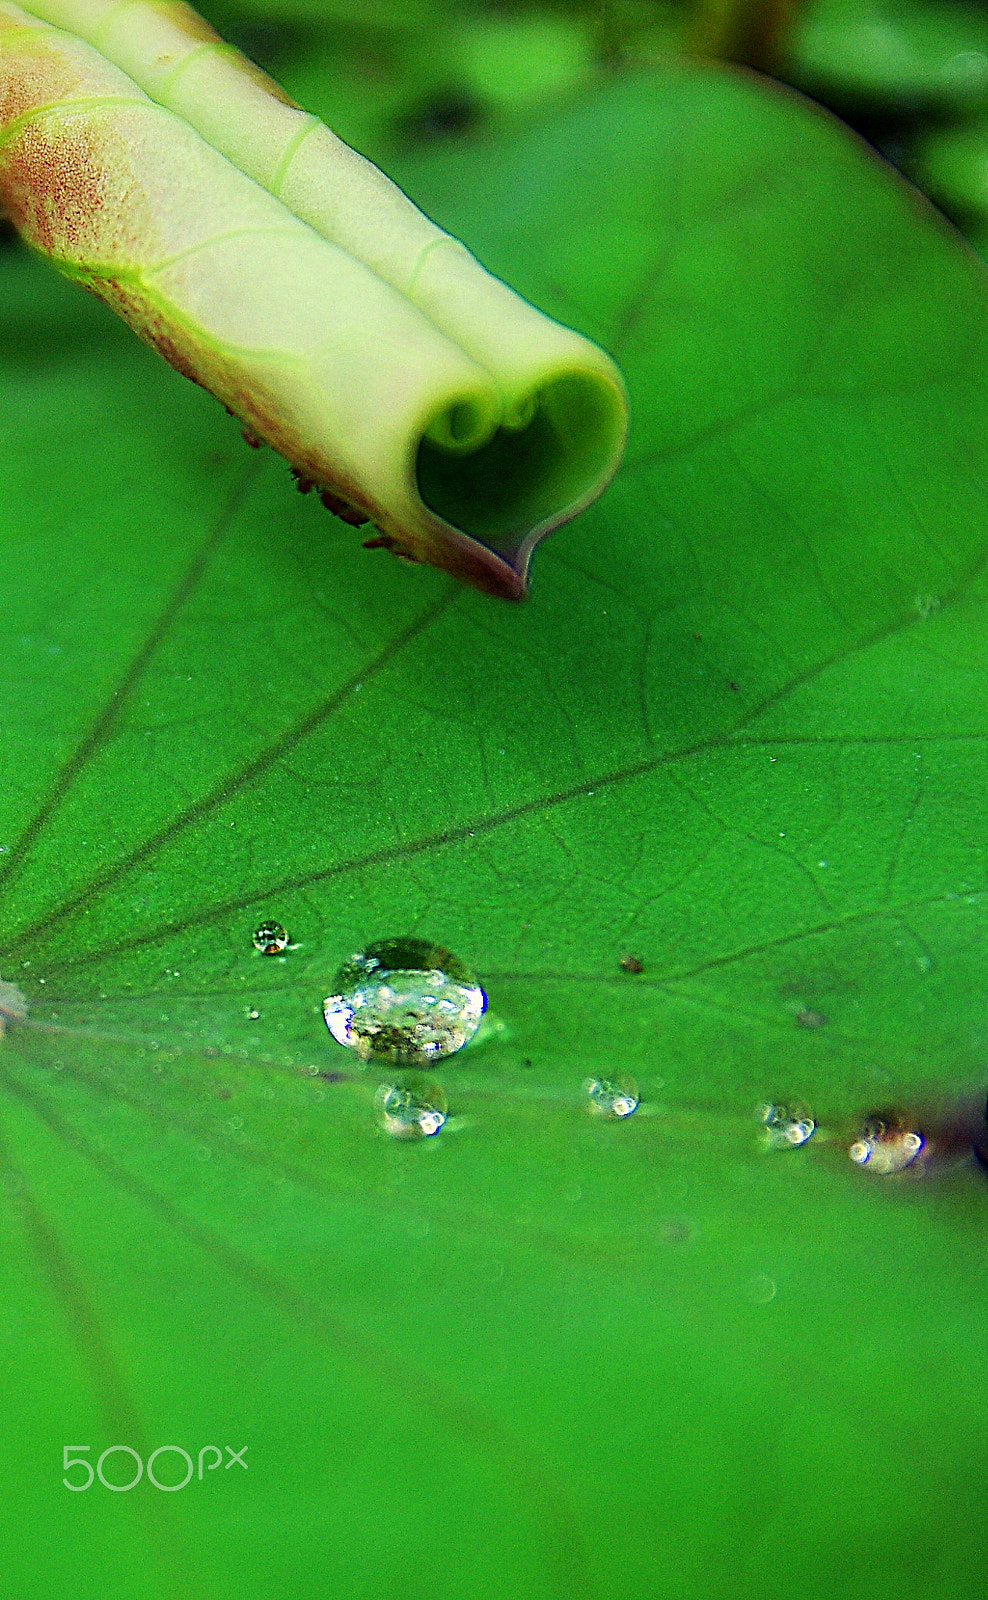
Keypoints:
(405, 1003)
(887, 1142)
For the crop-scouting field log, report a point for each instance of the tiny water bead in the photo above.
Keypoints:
(405, 1001)
(785, 1127)
(412, 1109)
(760, 1289)
(886, 1144)
(612, 1097)
(270, 938)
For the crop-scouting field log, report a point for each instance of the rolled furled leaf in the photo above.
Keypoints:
(273, 265)
(13, 1006)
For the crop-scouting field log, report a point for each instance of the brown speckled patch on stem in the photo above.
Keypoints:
(53, 185)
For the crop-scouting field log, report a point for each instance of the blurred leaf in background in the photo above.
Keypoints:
(910, 75)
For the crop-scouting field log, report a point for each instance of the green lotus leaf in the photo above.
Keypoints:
(705, 814)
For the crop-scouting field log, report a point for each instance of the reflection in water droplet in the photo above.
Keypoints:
(412, 1109)
(612, 1097)
(405, 1001)
(886, 1144)
(270, 938)
(786, 1126)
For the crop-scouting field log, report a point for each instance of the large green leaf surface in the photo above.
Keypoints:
(738, 730)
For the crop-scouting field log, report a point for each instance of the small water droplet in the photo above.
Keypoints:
(967, 70)
(405, 1001)
(412, 1109)
(612, 1097)
(886, 1144)
(760, 1289)
(785, 1127)
(270, 938)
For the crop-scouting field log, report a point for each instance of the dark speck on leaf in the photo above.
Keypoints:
(733, 685)
(676, 1230)
(631, 964)
(443, 116)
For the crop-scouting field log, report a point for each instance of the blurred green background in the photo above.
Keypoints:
(910, 75)
(738, 732)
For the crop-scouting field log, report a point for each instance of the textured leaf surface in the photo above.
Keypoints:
(738, 731)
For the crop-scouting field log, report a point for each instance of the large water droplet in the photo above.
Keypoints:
(786, 1126)
(612, 1097)
(412, 1109)
(270, 938)
(405, 1001)
(886, 1144)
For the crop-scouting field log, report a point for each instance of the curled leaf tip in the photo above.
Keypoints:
(268, 262)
